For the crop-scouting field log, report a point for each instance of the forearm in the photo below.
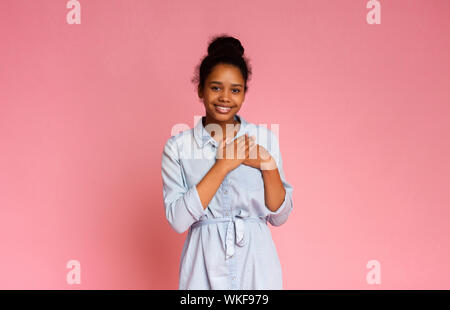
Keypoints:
(210, 183)
(274, 191)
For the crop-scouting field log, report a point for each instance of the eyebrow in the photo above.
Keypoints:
(220, 83)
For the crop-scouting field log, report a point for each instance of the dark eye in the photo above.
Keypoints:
(236, 92)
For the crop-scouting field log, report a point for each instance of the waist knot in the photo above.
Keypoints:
(235, 229)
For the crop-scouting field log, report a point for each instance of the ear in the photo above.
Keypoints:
(200, 92)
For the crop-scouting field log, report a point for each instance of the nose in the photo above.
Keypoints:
(224, 98)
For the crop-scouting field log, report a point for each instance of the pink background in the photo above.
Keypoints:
(364, 132)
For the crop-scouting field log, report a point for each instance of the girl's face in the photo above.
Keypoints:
(223, 87)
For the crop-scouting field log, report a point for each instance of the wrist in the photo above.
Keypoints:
(221, 167)
(268, 165)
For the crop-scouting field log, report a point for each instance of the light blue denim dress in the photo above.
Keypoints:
(229, 244)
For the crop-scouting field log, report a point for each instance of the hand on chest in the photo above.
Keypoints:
(242, 178)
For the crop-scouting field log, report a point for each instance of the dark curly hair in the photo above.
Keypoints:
(222, 49)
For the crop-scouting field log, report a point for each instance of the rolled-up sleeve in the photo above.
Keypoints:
(280, 216)
(182, 205)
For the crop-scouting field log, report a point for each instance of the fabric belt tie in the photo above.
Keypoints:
(235, 229)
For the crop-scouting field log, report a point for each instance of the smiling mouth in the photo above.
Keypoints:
(222, 109)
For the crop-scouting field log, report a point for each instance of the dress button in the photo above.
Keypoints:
(226, 192)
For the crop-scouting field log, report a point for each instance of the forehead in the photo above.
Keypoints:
(226, 73)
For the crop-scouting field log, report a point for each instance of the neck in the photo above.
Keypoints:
(223, 125)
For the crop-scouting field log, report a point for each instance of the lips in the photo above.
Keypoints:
(222, 109)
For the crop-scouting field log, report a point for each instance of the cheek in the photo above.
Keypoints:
(210, 97)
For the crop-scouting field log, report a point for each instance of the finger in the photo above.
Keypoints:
(247, 141)
(241, 139)
(248, 149)
(230, 147)
(238, 140)
(241, 149)
(240, 145)
(253, 150)
(227, 141)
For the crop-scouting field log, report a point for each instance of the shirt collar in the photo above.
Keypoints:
(203, 137)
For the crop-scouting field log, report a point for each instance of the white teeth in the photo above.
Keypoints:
(223, 109)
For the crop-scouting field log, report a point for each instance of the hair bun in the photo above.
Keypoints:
(222, 49)
(225, 45)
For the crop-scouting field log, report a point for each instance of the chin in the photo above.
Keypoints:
(223, 117)
(220, 116)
